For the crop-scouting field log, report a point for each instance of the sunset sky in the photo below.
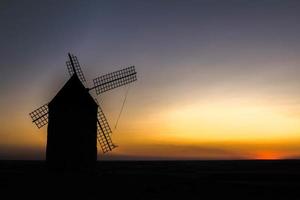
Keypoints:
(216, 79)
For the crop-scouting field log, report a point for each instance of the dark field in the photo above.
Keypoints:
(155, 180)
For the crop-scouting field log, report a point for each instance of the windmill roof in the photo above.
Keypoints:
(73, 91)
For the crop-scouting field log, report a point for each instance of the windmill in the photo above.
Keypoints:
(75, 119)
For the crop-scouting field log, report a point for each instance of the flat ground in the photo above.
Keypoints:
(155, 180)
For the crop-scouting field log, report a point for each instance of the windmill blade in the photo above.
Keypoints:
(104, 132)
(114, 80)
(73, 64)
(40, 116)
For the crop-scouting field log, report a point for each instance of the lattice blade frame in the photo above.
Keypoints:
(114, 80)
(76, 66)
(104, 132)
(40, 116)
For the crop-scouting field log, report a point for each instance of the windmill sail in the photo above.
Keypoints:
(104, 132)
(58, 113)
(73, 64)
(114, 80)
(40, 116)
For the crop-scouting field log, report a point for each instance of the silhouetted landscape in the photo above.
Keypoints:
(241, 179)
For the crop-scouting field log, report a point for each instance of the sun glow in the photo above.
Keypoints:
(216, 121)
(228, 129)
(269, 155)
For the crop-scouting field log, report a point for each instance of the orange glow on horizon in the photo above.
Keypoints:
(221, 129)
(269, 155)
(203, 130)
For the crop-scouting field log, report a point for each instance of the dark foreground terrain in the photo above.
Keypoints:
(154, 180)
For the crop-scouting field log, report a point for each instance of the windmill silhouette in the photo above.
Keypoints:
(75, 119)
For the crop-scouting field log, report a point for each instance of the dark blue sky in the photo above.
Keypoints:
(34, 33)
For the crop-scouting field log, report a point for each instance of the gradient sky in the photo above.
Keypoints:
(216, 79)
